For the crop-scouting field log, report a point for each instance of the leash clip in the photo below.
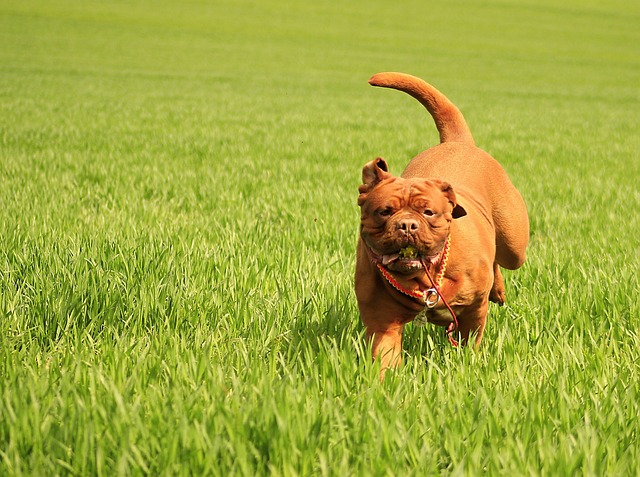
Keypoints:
(421, 318)
(431, 298)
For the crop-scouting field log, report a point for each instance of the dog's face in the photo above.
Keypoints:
(404, 221)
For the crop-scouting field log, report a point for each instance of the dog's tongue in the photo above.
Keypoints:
(387, 259)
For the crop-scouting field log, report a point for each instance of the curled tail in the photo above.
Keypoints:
(448, 118)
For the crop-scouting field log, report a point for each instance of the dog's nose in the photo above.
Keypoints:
(407, 225)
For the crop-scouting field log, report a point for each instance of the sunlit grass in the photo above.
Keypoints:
(178, 201)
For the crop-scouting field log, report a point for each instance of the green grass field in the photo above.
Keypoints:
(178, 222)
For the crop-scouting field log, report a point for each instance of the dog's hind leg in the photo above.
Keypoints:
(512, 228)
(497, 294)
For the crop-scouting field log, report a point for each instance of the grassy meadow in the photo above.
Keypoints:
(178, 222)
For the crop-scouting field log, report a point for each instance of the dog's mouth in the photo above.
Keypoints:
(406, 260)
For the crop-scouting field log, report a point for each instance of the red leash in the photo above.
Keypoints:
(451, 329)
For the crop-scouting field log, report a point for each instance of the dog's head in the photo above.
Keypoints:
(404, 221)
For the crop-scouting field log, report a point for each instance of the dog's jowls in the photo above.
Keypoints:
(453, 190)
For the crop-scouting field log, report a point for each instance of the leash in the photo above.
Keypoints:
(451, 329)
(431, 296)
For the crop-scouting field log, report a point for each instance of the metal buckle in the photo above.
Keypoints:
(431, 298)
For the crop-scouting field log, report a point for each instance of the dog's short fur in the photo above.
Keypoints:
(453, 189)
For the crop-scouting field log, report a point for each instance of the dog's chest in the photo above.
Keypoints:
(438, 316)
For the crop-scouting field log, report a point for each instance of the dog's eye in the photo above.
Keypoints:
(386, 212)
(428, 212)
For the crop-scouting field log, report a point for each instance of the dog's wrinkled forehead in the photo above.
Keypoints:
(379, 185)
(397, 193)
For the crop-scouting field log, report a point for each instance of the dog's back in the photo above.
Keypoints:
(459, 162)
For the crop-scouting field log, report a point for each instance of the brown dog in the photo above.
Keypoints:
(431, 241)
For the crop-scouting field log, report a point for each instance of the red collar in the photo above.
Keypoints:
(432, 296)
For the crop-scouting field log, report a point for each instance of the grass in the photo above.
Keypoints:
(178, 229)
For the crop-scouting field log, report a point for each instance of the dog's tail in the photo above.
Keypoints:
(448, 118)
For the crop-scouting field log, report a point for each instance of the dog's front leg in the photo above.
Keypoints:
(386, 345)
(473, 322)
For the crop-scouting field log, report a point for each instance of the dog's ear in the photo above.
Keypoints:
(458, 211)
(374, 172)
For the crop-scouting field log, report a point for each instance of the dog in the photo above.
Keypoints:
(432, 241)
